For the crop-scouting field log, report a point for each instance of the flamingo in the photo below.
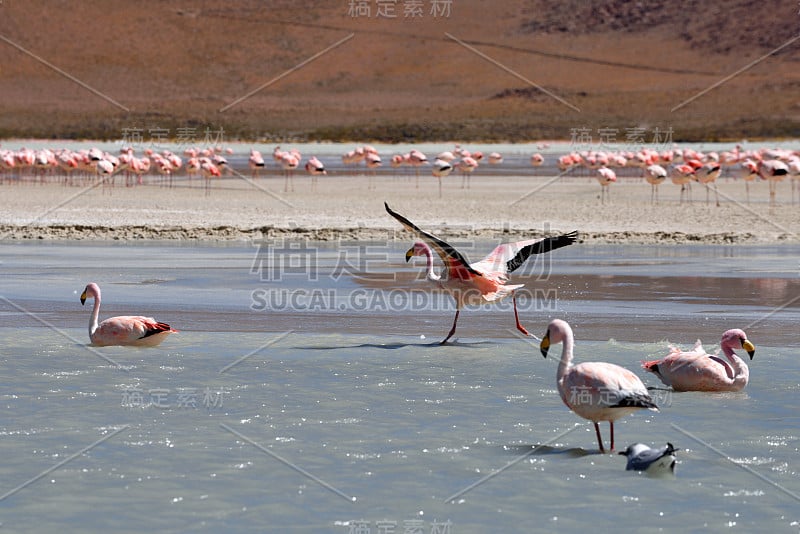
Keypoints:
(683, 175)
(794, 174)
(708, 174)
(209, 171)
(655, 176)
(606, 177)
(696, 370)
(747, 170)
(773, 170)
(123, 330)
(440, 169)
(315, 168)
(597, 391)
(495, 158)
(255, 162)
(373, 162)
(416, 159)
(537, 160)
(482, 282)
(289, 163)
(466, 165)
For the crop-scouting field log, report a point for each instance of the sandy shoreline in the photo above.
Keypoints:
(344, 208)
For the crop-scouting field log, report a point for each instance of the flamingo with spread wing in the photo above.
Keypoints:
(481, 282)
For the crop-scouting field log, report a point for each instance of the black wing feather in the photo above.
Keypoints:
(444, 250)
(540, 247)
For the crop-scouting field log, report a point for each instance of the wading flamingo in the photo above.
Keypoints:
(482, 282)
(696, 370)
(597, 391)
(125, 329)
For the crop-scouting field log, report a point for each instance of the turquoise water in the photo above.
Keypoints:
(310, 395)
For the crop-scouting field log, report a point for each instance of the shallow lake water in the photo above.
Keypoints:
(306, 392)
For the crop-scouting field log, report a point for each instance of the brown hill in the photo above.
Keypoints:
(508, 70)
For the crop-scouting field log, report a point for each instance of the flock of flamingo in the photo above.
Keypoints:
(597, 391)
(682, 166)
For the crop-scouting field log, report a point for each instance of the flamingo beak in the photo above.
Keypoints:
(409, 254)
(544, 346)
(83, 298)
(749, 347)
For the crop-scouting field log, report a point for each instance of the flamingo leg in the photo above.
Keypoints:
(452, 330)
(516, 317)
(611, 426)
(599, 439)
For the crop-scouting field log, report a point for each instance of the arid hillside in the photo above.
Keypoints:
(399, 71)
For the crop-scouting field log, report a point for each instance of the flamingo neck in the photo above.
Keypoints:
(741, 373)
(95, 314)
(566, 355)
(430, 274)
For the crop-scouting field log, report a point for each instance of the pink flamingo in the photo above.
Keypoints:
(773, 170)
(255, 162)
(606, 177)
(707, 174)
(597, 391)
(655, 176)
(482, 282)
(209, 171)
(696, 370)
(683, 175)
(747, 170)
(417, 159)
(466, 165)
(495, 158)
(123, 330)
(289, 162)
(537, 160)
(315, 168)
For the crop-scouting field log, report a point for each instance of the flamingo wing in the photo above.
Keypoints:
(457, 265)
(508, 257)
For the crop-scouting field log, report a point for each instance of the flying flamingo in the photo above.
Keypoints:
(123, 330)
(597, 391)
(606, 177)
(440, 169)
(482, 282)
(696, 370)
(655, 176)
